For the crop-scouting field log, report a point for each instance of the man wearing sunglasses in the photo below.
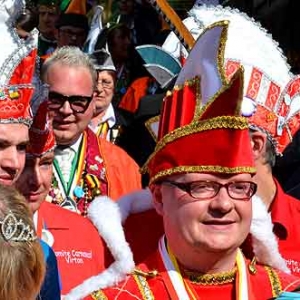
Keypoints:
(85, 165)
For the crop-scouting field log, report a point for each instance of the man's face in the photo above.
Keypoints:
(47, 19)
(13, 141)
(105, 91)
(71, 36)
(35, 181)
(219, 224)
(69, 81)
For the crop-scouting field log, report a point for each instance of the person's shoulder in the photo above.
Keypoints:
(278, 280)
(113, 149)
(55, 211)
(134, 285)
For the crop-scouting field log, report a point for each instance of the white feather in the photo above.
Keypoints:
(265, 245)
(105, 215)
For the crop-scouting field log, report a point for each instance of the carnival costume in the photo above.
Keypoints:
(218, 139)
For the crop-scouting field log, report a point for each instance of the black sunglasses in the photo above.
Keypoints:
(78, 103)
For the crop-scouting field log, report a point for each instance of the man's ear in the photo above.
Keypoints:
(157, 198)
(258, 143)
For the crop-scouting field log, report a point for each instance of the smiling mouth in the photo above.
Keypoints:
(6, 180)
(220, 223)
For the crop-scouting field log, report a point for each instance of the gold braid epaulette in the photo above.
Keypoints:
(140, 278)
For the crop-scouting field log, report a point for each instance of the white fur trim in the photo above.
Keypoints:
(265, 245)
(105, 215)
(135, 202)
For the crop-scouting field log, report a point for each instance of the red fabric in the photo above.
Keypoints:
(142, 232)
(285, 212)
(212, 148)
(207, 148)
(178, 109)
(260, 284)
(41, 134)
(16, 102)
(74, 238)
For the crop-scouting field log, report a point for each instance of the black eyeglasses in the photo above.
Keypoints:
(78, 104)
(203, 190)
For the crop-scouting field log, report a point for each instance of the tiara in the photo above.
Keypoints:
(15, 230)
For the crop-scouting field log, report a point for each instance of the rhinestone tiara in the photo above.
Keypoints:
(16, 230)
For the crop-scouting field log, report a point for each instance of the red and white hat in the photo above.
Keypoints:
(17, 64)
(201, 128)
(271, 92)
(41, 134)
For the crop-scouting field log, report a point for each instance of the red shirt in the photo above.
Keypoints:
(77, 245)
(285, 213)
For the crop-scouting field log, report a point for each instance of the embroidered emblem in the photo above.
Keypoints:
(270, 117)
(13, 93)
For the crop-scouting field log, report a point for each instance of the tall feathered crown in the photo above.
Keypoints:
(17, 63)
(200, 128)
(271, 92)
(41, 135)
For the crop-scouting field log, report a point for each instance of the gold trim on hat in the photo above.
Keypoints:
(148, 124)
(202, 169)
(228, 122)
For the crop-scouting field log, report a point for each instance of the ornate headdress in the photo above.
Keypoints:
(271, 92)
(17, 63)
(200, 128)
(159, 63)
(41, 135)
(16, 230)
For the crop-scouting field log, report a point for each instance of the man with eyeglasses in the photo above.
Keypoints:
(201, 182)
(72, 29)
(85, 165)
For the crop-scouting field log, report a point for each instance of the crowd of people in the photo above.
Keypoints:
(146, 154)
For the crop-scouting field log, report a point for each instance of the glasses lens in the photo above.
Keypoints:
(55, 100)
(203, 189)
(241, 190)
(79, 103)
(105, 83)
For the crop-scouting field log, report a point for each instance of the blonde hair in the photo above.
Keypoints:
(22, 264)
(72, 57)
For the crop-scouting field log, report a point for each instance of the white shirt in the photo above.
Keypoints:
(109, 117)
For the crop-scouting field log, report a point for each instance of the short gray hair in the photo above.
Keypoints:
(70, 56)
(270, 153)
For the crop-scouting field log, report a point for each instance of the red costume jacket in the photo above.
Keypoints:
(265, 284)
(285, 212)
(76, 242)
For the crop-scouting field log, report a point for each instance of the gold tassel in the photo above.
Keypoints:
(252, 266)
(151, 274)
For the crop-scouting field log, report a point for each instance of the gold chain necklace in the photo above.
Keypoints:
(211, 279)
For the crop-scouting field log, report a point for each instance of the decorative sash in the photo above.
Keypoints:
(86, 182)
(180, 290)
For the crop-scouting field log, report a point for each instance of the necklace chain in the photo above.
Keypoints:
(212, 279)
